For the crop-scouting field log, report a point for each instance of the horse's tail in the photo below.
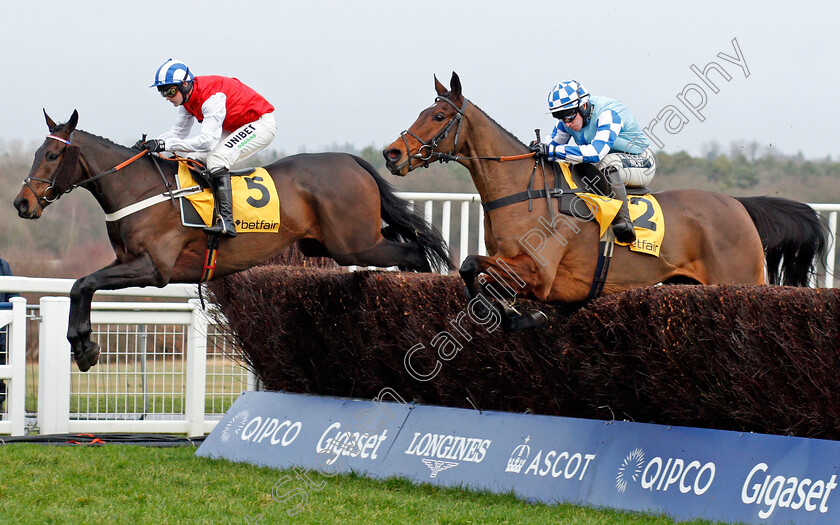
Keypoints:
(408, 224)
(793, 237)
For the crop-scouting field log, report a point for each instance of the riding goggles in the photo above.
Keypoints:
(168, 91)
(566, 115)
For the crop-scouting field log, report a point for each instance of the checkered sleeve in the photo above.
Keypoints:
(559, 135)
(608, 127)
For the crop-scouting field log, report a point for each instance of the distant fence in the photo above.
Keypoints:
(13, 371)
(164, 366)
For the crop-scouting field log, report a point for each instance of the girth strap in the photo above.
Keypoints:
(151, 201)
(209, 267)
(605, 253)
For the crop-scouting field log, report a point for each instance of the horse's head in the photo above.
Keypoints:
(53, 170)
(434, 135)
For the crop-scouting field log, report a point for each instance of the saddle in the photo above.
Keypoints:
(202, 177)
(256, 206)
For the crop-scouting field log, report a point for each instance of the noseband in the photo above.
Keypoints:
(426, 151)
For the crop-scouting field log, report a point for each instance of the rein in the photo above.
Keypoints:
(426, 152)
(62, 166)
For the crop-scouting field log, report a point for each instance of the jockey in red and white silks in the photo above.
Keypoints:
(236, 122)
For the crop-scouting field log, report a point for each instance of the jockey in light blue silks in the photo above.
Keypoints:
(601, 138)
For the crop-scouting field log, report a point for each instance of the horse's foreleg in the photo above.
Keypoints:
(469, 271)
(138, 272)
(504, 277)
(520, 274)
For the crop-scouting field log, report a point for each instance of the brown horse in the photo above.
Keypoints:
(331, 204)
(710, 238)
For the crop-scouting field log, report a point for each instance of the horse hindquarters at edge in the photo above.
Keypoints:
(397, 213)
(793, 237)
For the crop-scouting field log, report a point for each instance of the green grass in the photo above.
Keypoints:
(156, 404)
(137, 485)
(126, 379)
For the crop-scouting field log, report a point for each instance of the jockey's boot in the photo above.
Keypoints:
(220, 178)
(622, 225)
(609, 185)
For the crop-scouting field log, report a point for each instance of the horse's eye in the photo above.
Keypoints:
(52, 156)
(439, 117)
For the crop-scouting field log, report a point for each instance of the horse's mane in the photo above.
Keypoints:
(104, 140)
(107, 141)
(514, 137)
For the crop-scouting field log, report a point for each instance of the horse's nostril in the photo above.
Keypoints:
(22, 206)
(393, 155)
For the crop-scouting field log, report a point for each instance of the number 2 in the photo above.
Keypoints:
(644, 221)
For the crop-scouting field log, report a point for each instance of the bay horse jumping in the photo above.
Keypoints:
(710, 238)
(331, 204)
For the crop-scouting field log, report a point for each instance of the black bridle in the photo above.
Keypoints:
(430, 155)
(426, 152)
(65, 164)
(72, 155)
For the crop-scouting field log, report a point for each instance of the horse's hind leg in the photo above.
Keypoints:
(385, 253)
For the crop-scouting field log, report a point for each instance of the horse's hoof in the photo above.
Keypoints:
(89, 357)
(511, 323)
(529, 321)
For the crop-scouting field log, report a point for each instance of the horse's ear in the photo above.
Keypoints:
(71, 124)
(50, 122)
(439, 87)
(455, 84)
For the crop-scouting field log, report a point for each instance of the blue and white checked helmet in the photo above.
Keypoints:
(172, 72)
(567, 95)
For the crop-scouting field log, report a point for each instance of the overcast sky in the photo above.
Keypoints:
(360, 72)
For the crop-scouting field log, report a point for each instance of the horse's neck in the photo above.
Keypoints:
(494, 179)
(116, 190)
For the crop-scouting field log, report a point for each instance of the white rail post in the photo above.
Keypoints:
(196, 380)
(16, 392)
(464, 248)
(251, 381)
(446, 225)
(482, 248)
(428, 210)
(54, 366)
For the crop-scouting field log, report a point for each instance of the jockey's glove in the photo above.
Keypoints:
(542, 150)
(152, 145)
